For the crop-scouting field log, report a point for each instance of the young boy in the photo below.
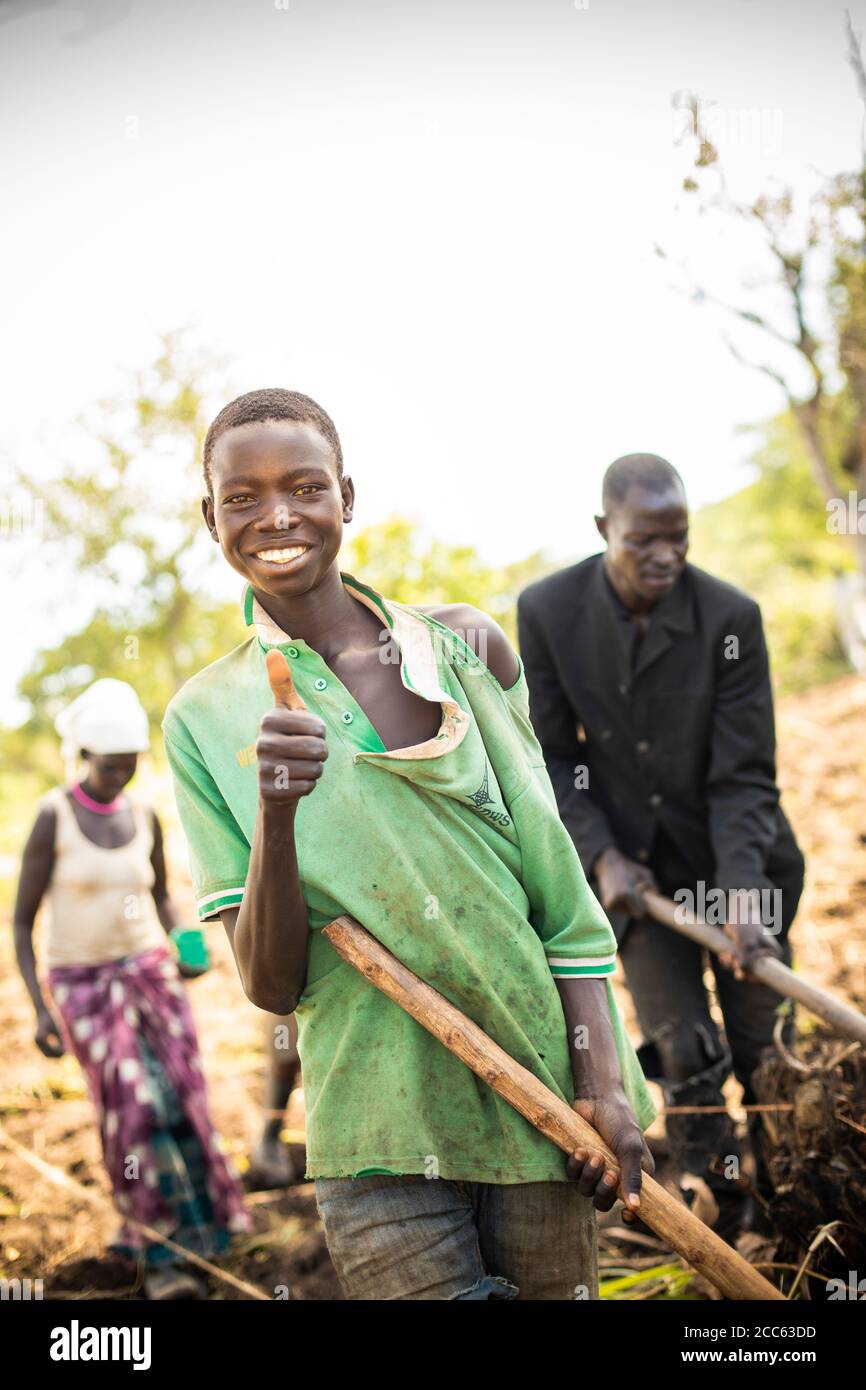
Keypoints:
(410, 793)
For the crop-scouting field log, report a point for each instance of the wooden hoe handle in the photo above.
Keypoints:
(698, 1246)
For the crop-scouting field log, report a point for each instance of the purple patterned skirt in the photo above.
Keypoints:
(129, 1023)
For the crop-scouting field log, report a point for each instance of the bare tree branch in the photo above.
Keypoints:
(760, 367)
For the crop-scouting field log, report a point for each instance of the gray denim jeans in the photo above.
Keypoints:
(411, 1237)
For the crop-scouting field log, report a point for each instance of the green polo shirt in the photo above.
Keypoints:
(451, 853)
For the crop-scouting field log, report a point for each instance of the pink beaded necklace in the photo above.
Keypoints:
(102, 808)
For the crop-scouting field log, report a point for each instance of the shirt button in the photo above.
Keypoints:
(347, 717)
(655, 799)
(643, 855)
(293, 651)
(623, 690)
(320, 683)
(642, 746)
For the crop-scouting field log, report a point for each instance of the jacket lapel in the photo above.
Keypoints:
(600, 637)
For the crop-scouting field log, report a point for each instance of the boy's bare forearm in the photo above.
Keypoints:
(595, 1061)
(271, 934)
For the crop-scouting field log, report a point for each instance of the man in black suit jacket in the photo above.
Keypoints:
(650, 694)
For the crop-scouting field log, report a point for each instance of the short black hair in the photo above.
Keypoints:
(272, 403)
(646, 470)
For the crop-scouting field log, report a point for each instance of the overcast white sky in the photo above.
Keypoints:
(436, 218)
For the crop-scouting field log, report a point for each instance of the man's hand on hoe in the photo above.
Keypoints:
(622, 882)
(748, 931)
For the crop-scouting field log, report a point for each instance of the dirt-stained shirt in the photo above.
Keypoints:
(451, 852)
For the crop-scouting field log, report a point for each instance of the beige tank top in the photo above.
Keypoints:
(100, 905)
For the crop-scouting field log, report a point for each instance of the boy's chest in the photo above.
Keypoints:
(401, 718)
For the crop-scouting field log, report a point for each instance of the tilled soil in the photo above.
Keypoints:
(55, 1234)
(816, 1153)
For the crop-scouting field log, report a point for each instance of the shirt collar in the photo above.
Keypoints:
(613, 597)
(673, 611)
(414, 641)
(269, 632)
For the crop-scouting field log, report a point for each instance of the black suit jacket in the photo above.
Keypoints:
(684, 740)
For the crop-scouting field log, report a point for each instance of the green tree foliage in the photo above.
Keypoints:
(771, 539)
(400, 560)
(123, 519)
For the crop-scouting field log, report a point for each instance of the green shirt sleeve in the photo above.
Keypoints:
(578, 939)
(517, 699)
(219, 852)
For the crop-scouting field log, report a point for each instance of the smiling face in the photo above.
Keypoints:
(647, 536)
(278, 508)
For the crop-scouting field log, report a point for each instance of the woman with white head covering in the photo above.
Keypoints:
(96, 854)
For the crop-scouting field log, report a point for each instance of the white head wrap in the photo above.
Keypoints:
(107, 717)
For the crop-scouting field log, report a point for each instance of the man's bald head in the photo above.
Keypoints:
(647, 471)
(646, 527)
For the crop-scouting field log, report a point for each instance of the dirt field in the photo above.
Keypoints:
(49, 1233)
(55, 1234)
